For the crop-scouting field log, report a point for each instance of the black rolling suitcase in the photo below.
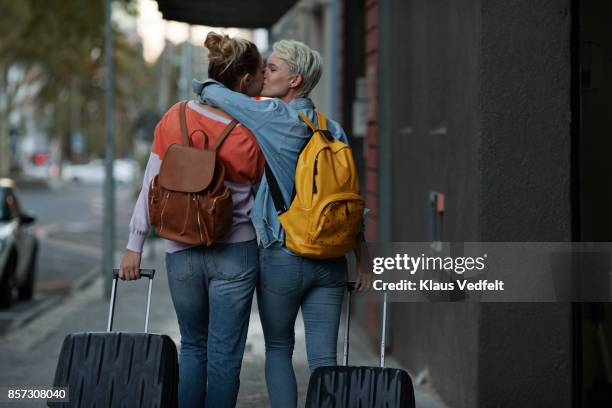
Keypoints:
(360, 387)
(118, 369)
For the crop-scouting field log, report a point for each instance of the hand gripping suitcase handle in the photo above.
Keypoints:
(149, 273)
(350, 287)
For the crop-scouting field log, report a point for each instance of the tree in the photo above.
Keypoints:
(57, 48)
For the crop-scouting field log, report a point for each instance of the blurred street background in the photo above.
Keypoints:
(470, 121)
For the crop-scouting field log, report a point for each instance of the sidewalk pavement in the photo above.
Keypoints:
(28, 356)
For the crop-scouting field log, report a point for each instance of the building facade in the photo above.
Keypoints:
(502, 107)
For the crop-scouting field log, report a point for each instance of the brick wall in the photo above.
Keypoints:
(370, 148)
(370, 141)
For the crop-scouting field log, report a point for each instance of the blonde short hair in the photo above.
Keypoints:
(301, 60)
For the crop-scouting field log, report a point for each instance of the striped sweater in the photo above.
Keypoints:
(239, 153)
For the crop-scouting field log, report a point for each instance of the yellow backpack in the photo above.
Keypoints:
(326, 214)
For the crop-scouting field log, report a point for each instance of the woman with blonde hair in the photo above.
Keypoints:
(288, 282)
(211, 287)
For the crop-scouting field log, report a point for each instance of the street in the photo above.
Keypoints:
(69, 228)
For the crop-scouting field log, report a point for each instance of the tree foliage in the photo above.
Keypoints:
(58, 46)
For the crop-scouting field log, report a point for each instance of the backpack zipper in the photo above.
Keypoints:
(314, 180)
(199, 222)
(161, 216)
(152, 195)
(214, 204)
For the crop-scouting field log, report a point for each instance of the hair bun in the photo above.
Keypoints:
(230, 58)
(221, 48)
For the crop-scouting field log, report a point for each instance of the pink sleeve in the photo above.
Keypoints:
(139, 224)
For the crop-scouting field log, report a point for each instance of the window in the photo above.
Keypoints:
(10, 207)
(4, 211)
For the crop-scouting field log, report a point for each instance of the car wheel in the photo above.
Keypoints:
(26, 290)
(7, 283)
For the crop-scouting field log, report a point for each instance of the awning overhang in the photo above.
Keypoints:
(225, 13)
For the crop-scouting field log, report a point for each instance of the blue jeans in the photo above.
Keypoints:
(212, 291)
(286, 283)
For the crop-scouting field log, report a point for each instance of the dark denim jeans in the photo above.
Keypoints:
(212, 291)
(286, 283)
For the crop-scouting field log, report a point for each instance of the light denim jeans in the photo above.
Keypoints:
(212, 291)
(286, 283)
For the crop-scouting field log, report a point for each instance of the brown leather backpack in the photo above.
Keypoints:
(188, 201)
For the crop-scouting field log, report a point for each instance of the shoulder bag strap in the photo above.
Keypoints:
(224, 134)
(183, 120)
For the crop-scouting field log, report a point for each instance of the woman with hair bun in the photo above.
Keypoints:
(211, 287)
(288, 282)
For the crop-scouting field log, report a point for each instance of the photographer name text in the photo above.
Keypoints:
(428, 285)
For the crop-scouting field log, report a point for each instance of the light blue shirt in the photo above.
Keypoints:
(280, 133)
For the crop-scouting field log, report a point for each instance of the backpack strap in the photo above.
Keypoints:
(307, 121)
(224, 134)
(183, 120)
(277, 197)
(322, 121)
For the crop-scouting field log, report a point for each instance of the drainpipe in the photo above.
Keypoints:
(333, 78)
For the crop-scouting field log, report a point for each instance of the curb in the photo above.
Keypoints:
(22, 319)
(86, 280)
(40, 327)
(26, 183)
(48, 303)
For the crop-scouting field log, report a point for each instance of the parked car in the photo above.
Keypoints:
(94, 172)
(18, 248)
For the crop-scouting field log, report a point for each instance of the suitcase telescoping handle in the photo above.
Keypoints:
(350, 286)
(149, 273)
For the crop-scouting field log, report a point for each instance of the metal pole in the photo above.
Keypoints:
(111, 306)
(164, 76)
(4, 123)
(146, 328)
(347, 328)
(109, 196)
(186, 72)
(383, 333)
